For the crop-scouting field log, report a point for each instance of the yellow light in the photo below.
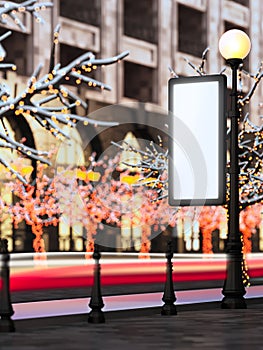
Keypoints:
(27, 170)
(81, 174)
(129, 179)
(93, 176)
(234, 44)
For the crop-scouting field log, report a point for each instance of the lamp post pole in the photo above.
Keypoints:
(234, 289)
(234, 46)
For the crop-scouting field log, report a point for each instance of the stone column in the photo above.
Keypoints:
(109, 46)
(214, 31)
(255, 56)
(166, 28)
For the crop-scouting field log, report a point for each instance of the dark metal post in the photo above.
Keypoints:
(96, 315)
(169, 295)
(234, 289)
(6, 309)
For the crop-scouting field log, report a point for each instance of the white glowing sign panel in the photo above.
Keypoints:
(198, 140)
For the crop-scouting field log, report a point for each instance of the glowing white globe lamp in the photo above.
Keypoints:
(234, 44)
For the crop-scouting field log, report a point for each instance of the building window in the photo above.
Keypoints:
(192, 31)
(87, 11)
(16, 54)
(68, 54)
(140, 19)
(138, 82)
(71, 238)
(242, 2)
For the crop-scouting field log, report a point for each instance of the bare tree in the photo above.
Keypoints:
(12, 11)
(49, 88)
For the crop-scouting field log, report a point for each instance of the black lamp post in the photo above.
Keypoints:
(234, 46)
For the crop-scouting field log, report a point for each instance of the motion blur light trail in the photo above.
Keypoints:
(73, 270)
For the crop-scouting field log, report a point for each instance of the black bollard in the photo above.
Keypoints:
(6, 309)
(96, 315)
(169, 297)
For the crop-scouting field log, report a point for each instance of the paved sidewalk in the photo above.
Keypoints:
(133, 322)
(204, 328)
(76, 306)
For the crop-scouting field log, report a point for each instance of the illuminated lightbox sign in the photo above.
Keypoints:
(197, 165)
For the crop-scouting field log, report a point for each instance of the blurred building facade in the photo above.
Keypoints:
(158, 33)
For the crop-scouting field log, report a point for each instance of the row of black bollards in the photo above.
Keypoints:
(96, 304)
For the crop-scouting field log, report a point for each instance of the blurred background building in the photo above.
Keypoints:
(158, 33)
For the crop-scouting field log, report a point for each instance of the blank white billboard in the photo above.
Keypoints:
(197, 166)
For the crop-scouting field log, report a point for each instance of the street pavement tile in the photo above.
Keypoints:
(189, 330)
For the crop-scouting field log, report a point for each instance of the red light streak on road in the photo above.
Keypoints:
(126, 272)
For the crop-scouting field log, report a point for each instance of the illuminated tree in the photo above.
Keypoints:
(39, 98)
(94, 198)
(36, 204)
(250, 220)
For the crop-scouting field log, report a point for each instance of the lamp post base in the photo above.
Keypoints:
(6, 325)
(233, 303)
(96, 316)
(168, 310)
(234, 289)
